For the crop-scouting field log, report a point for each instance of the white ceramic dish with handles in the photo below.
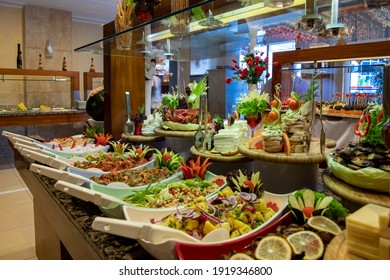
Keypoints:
(137, 226)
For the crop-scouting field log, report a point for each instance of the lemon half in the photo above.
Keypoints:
(273, 248)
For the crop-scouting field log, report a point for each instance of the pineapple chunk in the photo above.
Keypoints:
(267, 215)
(243, 217)
(235, 233)
(191, 225)
(208, 227)
(261, 206)
(238, 224)
(244, 229)
(226, 192)
(259, 216)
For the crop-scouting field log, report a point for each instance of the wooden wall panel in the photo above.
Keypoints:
(127, 74)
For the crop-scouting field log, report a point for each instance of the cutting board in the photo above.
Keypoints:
(337, 249)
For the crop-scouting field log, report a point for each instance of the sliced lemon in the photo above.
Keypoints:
(273, 248)
(307, 242)
(240, 256)
(323, 223)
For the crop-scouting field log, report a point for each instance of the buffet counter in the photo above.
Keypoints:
(40, 117)
(63, 224)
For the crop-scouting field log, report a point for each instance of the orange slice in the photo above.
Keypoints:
(256, 142)
(286, 144)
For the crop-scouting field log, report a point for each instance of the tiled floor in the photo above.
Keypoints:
(16, 214)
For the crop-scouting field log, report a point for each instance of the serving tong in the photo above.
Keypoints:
(203, 139)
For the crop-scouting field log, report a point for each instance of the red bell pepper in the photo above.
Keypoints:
(380, 117)
(362, 126)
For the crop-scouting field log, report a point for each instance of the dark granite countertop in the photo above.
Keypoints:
(109, 247)
(40, 112)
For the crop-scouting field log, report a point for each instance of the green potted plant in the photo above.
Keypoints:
(251, 105)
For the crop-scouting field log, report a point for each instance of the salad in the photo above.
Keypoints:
(238, 212)
(172, 194)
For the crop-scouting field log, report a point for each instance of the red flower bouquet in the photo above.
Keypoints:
(252, 72)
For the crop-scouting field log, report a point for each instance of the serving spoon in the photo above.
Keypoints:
(156, 234)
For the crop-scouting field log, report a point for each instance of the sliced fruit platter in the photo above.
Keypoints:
(302, 233)
(235, 212)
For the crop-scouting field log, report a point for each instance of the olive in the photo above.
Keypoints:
(325, 236)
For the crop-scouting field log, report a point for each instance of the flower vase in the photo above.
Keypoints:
(138, 129)
(253, 122)
(179, 22)
(252, 87)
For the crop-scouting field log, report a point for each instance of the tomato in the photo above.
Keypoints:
(293, 104)
(139, 151)
(274, 103)
(249, 184)
(166, 157)
(288, 100)
(273, 206)
(273, 116)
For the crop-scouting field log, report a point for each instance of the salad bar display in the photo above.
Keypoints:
(171, 206)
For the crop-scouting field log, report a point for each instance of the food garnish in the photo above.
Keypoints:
(168, 159)
(102, 139)
(195, 168)
(119, 148)
(243, 180)
(139, 151)
(240, 256)
(306, 242)
(273, 247)
(196, 90)
(91, 131)
(322, 223)
(307, 203)
(362, 126)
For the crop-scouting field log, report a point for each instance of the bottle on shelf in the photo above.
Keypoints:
(64, 66)
(40, 67)
(19, 63)
(92, 68)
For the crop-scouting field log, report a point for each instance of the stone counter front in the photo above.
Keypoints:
(63, 225)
